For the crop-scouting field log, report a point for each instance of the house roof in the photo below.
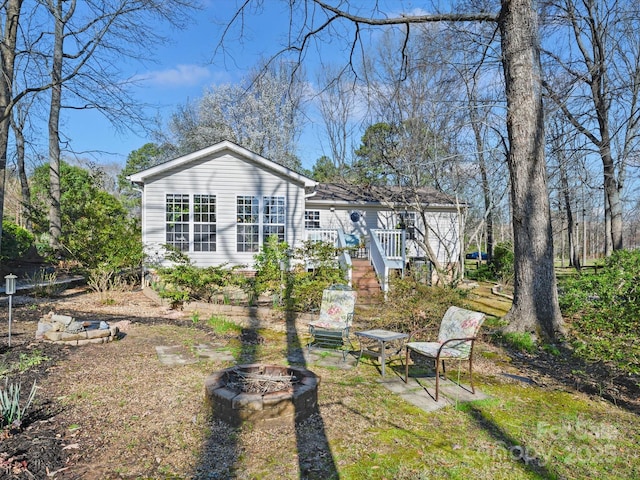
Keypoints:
(180, 162)
(334, 193)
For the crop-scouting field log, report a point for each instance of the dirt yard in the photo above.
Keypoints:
(114, 411)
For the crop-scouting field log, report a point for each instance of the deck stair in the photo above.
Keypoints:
(365, 282)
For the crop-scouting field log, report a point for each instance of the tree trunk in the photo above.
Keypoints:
(574, 251)
(18, 123)
(486, 188)
(613, 207)
(535, 306)
(8, 54)
(55, 222)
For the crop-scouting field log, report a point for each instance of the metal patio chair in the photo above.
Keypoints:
(458, 332)
(331, 328)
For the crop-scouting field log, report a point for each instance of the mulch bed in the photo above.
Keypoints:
(36, 448)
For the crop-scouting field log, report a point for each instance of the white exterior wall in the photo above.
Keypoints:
(226, 176)
(340, 219)
(443, 231)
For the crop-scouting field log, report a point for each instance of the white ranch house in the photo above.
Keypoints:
(219, 205)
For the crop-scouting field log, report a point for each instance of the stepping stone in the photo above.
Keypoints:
(209, 352)
(421, 392)
(174, 355)
(328, 358)
(180, 355)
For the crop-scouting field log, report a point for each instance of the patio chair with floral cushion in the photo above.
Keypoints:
(331, 328)
(458, 332)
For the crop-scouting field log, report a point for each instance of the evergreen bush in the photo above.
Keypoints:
(16, 241)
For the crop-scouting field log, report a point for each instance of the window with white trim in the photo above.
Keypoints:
(204, 223)
(248, 226)
(409, 218)
(177, 221)
(311, 219)
(273, 217)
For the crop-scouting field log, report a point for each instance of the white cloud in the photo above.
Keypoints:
(178, 76)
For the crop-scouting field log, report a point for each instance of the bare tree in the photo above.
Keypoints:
(337, 103)
(563, 150)
(535, 307)
(481, 98)
(261, 114)
(19, 119)
(11, 10)
(595, 82)
(82, 35)
(90, 36)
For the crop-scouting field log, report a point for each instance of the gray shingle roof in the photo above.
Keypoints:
(377, 194)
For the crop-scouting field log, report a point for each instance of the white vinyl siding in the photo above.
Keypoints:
(228, 176)
(442, 231)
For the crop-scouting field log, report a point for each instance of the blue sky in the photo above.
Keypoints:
(182, 70)
(185, 67)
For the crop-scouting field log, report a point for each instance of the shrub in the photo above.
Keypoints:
(604, 311)
(16, 241)
(186, 282)
(45, 283)
(103, 280)
(304, 286)
(482, 273)
(503, 262)
(412, 305)
(96, 227)
(270, 264)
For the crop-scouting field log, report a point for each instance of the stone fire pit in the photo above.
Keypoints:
(264, 395)
(66, 330)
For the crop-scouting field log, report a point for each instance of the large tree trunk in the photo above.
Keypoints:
(613, 206)
(8, 54)
(535, 306)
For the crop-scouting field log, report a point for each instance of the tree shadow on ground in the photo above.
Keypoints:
(315, 460)
(512, 450)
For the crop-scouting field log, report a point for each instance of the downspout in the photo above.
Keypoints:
(140, 188)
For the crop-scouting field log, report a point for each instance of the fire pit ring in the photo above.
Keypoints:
(275, 395)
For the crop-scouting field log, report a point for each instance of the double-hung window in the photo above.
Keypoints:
(257, 219)
(191, 222)
(204, 223)
(273, 217)
(311, 219)
(177, 221)
(248, 223)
